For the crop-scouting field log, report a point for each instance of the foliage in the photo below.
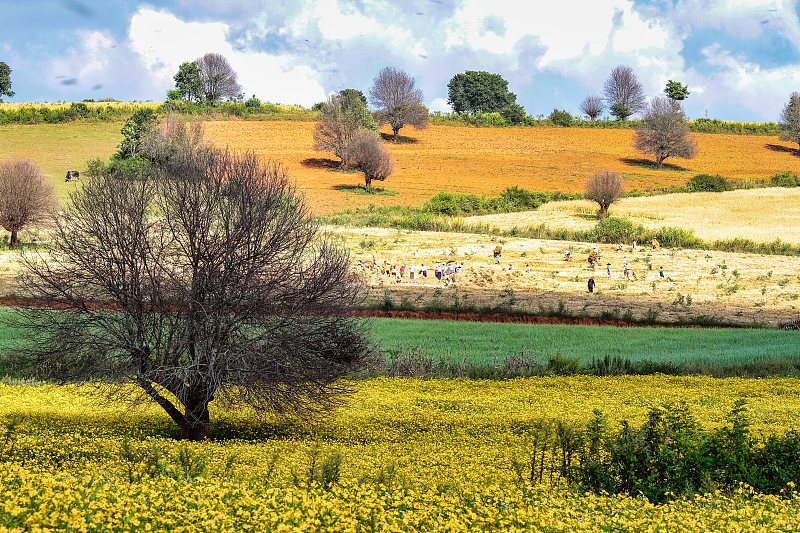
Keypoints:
(559, 117)
(367, 154)
(514, 114)
(397, 100)
(188, 83)
(473, 92)
(676, 91)
(221, 287)
(605, 188)
(5, 81)
(141, 123)
(623, 92)
(26, 197)
(790, 120)
(217, 78)
(664, 131)
(592, 106)
(708, 183)
(253, 103)
(785, 179)
(341, 117)
(353, 93)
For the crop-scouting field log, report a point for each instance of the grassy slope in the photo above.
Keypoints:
(476, 341)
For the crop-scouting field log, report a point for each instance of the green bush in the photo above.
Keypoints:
(708, 183)
(785, 179)
(616, 230)
(514, 114)
(559, 117)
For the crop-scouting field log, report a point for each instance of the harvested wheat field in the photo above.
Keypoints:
(488, 160)
(731, 287)
(761, 215)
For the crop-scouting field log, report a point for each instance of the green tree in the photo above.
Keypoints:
(5, 81)
(676, 91)
(514, 113)
(340, 118)
(790, 120)
(188, 82)
(354, 93)
(141, 123)
(479, 92)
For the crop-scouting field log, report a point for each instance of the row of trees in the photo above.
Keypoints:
(624, 95)
(208, 79)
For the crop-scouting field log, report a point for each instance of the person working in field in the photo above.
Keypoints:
(498, 253)
(591, 284)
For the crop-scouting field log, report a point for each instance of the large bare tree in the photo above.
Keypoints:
(367, 154)
(592, 106)
(340, 117)
(623, 92)
(206, 281)
(26, 197)
(217, 78)
(664, 131)
(397, 100)
(605, 188)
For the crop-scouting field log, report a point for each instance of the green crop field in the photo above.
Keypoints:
(57, 148)
(480, 341)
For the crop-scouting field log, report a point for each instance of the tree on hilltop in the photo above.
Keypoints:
(367, 154)
(676, 91)
(664, 131)
(623, 92)
(205, 282)
(790, 120)
(188, 84)
(340, 118)
(479, 92)
(397, 100)
(592, 106)
(5, 81)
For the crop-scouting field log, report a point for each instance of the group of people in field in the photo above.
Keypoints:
(627, 273)
(443, 272)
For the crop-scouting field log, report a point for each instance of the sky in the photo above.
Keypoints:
(740, 58)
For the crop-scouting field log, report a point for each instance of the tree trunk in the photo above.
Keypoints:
(659, 160)
(14, 239)
(603, 213)
(367, 182)
(198, 423)
(394, 132)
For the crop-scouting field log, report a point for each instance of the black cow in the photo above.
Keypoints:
(72, 175)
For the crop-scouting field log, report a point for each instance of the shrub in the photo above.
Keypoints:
(252, 103)
(559, 117)
(613, 229)
(708, 183)
(785, 179)
(514, 114)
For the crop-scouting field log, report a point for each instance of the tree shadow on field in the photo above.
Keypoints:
(646, 163)
(321, 163)
(400, 139)
(782, 149)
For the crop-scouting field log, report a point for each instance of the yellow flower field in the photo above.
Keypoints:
(415, 455)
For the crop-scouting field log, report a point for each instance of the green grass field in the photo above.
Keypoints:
(480, 342)
(59, 147)
(484, 343)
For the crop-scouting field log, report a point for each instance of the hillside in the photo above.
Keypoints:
(453, 158)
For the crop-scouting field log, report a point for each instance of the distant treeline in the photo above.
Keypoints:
(700, 125)
(253, 109)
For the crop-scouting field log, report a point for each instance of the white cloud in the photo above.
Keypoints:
(163, 41)
(440, 104)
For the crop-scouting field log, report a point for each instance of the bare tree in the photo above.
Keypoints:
(592, 106)
(26, 197)
(218, 80)
(340, 117)
(664, 131)
(623, 92)
(206, 281)
(397, 100)
(605, 188)
(790, 120)
(367, 154)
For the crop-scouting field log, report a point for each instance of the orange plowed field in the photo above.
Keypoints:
(487, 160)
